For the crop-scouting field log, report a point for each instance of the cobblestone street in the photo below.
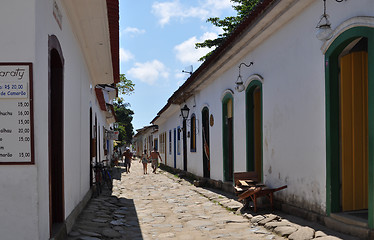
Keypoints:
(162, 206)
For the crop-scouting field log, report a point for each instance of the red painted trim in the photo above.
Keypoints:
(100, 98)
(113, 112)
(113, 19)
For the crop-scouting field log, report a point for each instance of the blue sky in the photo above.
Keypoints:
(157, 40)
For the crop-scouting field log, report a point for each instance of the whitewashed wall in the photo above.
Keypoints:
(291, 64)
(25, 202)
(19, 198)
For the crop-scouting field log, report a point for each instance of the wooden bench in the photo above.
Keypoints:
(247, 187)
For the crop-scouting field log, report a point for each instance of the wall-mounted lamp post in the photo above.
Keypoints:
(239, 81)
(324, 31)
(185, 111)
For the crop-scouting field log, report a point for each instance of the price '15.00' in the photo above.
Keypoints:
(23, 139)
(23, 121)
(24, 154)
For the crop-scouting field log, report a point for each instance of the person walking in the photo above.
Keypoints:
(116, 157)
(144, 160)
(154, 157)
(128, 157)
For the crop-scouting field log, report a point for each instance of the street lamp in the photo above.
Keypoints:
(185, 111)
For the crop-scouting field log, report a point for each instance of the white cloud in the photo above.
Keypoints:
(125, 55)
(217, 5)
(134, 30)
(131, 32)
(174, 9)
(165, 11)
(186, 51)
(149, 72)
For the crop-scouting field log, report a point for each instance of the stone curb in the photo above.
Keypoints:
(272, 222)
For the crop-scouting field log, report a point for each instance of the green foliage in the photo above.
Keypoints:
(124, 120)
(228, 24)
(123, 112)
(125, 87)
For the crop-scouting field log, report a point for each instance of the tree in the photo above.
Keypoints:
(124, 120)
(228, 24)
(122, 110)
(125, 87)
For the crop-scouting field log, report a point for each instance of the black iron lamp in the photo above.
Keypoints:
(185, 111)
(239, 81)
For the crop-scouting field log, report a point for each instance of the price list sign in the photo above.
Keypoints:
(16, 114)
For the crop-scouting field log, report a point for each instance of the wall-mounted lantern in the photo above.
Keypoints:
(239, 81)
(324, 31)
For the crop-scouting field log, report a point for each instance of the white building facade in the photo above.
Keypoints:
(303, 98)
(67, 48)
(145, 139)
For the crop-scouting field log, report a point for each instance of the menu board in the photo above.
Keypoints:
(16, 114)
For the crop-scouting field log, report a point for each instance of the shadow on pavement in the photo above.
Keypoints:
(117, 171)
(107, 217)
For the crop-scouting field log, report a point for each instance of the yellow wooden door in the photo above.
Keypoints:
(354, 130)
(257, 131)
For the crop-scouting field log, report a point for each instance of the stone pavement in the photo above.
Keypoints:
(163, 206)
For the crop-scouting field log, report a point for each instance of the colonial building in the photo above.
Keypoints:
(58, 65)
(146, 138)
(289, 95)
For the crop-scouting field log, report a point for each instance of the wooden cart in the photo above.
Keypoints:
(247, 187)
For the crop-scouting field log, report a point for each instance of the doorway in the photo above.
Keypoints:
(175, 148)
(254, 127)
(228, 137)
(56, 133)
(354, 125)
(349, 123)
(184, 144)
(205, 141)
(91, 148)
